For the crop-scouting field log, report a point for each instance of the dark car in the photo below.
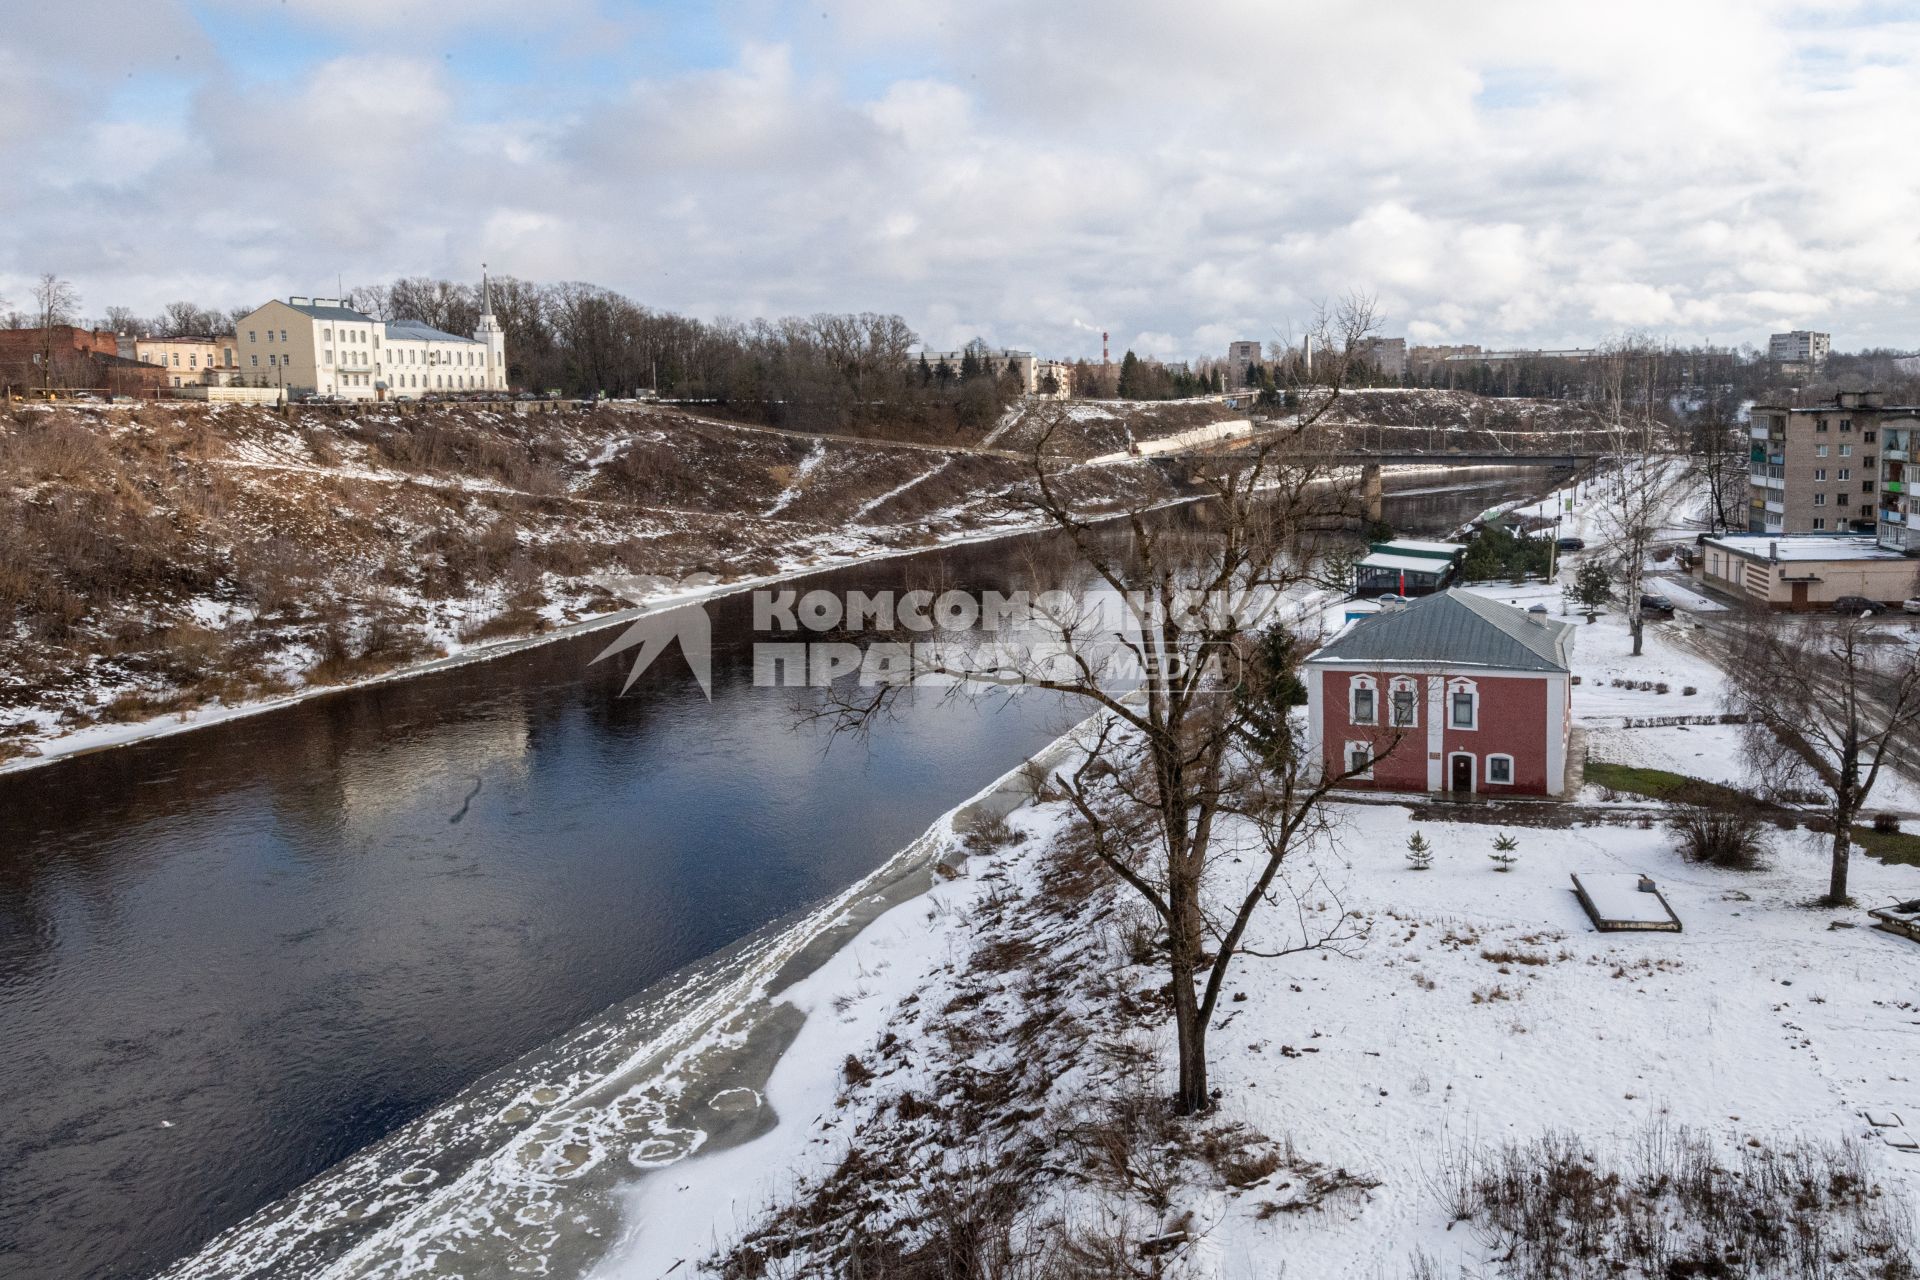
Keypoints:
(1857, 604)
(1570, 544)
(1656, 604)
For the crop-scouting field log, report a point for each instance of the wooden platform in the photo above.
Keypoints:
(1624, 901)
(1902, 918)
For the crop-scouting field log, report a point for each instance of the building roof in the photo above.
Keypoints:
(1455, 629)
(1408, 564)
(332, 312)
(1805, 546)
(1420, 547)
(416, 331)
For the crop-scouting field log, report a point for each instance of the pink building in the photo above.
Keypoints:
(1452, 692)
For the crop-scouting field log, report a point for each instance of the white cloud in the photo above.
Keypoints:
(1505, 172)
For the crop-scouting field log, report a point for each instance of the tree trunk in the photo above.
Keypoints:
(1637, 628)
(1190, 1097)
(1842, 849)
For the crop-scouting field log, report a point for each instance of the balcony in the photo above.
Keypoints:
(1894, 455)
(1777, 508)
(1891, 517)
(1894, 486)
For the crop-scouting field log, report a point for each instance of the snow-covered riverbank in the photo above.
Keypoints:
(1481, 1009)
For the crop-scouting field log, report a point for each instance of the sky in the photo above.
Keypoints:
(1503, 172)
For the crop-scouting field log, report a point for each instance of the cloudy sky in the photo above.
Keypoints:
(1494, 171)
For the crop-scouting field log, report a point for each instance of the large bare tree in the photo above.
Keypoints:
(1636, 487)
(1828, 708)
(54, 302)
(1197, 787)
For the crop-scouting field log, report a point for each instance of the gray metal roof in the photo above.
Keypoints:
(1455, 629)
(331, 313)
(415, 331)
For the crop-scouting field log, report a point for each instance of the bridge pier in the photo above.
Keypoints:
(1371, 492)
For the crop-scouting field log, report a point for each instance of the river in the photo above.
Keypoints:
(232, 957)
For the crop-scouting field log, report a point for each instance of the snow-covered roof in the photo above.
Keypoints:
(1411, 564)
(1805, 546)
(1421, 546)
(1455, 629)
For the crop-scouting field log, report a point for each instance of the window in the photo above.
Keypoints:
(1819, 451)
(1866, 486)
(1819, 522)
(255, 360)
(1361, 707)
(269, 335)
(1845, 473)
(326, 335)
(283, 335)
(1463, 711)
(1846, 451)
(1866, 437)
(1846, 424)
(1360, 759)
(250, 336)
(1819, 475)
(1821, 425)
(1819, 499)
(1500, 770)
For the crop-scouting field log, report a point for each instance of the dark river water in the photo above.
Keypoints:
(232, 957)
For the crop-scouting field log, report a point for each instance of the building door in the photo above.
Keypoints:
(1799, 595)
(1462, 779)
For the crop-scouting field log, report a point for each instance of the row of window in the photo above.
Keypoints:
(1403, 704)
(1499, 768)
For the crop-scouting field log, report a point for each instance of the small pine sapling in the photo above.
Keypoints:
(1419, 852)
(1504, 855)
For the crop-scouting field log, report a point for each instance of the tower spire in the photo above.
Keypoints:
(486, 292)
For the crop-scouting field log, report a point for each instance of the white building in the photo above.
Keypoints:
(1802, 346)
(317, 346)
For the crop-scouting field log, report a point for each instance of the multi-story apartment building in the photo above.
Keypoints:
(1802, 346)
(1387, 356)
(316, 346)
(190, 361)
(1816, 469)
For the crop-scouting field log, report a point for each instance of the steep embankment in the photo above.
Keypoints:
(171, 556)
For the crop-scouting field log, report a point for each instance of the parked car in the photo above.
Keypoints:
(1570, 544)
(1910, 606)
(1656, 604)
(1857, 604)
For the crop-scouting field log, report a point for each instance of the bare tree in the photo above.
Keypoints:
(186, 320)
(54, 301)
(122, 320)
(1827, 708)
(1634, 490)
(1194, 795)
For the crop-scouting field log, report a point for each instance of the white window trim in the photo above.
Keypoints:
(1346, 758)
(1471, 689)
(1395, 687)
(1354, 687)
(1497, 782)
(1473, 774)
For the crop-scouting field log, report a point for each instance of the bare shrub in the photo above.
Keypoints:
(1719, 832)
(1675, 1206)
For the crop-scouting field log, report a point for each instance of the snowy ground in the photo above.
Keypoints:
(1482, 1007)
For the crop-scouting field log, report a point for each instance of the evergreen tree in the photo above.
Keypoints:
(1129, 377)
(1419, 852)
(943, 371)
(926, 371)
(1269, 687)
(1591, 588)
(969, 365)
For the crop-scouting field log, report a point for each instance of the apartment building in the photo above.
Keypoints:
(190, 361)
(1387, 356)
(1802, 346)
(1816, 468)
(318, 346)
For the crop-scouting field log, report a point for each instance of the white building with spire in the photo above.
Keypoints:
(319, 346)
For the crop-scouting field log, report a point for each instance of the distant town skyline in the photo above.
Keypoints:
(1509, 175)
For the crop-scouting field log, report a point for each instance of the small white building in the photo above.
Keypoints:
(319, 346)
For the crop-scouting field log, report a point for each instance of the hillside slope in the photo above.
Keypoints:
(170, 556)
